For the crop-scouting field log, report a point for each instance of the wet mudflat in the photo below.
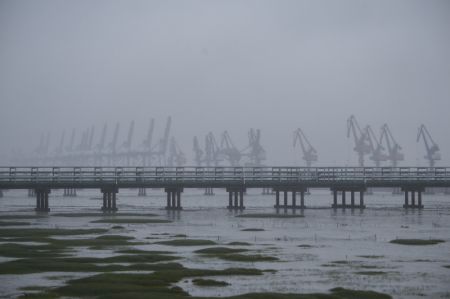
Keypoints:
(207, 251)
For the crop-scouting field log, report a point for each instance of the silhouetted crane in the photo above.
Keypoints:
(228, 150)
(309, 152)
(430, 146)
(376, 147)
(361, 139)
(212, 150)
(176, 156)
(393, 147)
(147, 144)
(198, 153)
(256, 152)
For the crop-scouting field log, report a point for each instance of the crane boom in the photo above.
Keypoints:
(432, 149)
(309, 152)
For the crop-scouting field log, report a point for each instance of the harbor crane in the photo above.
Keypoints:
(309, 152)
(127, 144)
(228, 150)
(362, 147)
(98, 151)
(431, 147)
(112, 145)
(147, 144)
(394, 154)
(256, 152)
(176, 156)
(164, 142)
(198, 153)
(376, 147)
(212, 150)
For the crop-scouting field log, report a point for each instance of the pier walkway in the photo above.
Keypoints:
(236, 180)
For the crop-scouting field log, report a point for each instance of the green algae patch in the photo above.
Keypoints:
(371, 256)
(33, 233)
(14, 223)
(139, 251)
(179, 236)
(252, 230)
(122, 285)
(131, 221)
(220, 250)
(186, 242)
(209, 283)
(239, 244)
(262, 215)
(416, 241)
(28, 251)
(305, 246)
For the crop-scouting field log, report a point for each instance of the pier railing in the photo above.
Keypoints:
(117, 175)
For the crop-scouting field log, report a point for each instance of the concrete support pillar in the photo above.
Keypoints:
(241, 199)
(31, 193)
(419, 199)
(406, 199)
(343, 200)
(109, 199)
(230, 199)
(173, 198)
(42, 200)
(285, 199)
(169, 203)
(294, 204)
(302, 199)
(361, 200)
(334, 199)
(174, 203)
(178, 200)
(236, 199)
(277, 199)
(413, 199)
(142, 192)
(352, 199)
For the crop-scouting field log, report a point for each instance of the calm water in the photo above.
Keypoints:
(410, 271)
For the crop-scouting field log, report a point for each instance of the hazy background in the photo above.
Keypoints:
(216, 65)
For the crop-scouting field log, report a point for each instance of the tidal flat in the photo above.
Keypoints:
(207, 251)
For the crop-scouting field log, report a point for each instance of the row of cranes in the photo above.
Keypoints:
(85, 152)
(214, 153)
(366, 143)
(167, 152)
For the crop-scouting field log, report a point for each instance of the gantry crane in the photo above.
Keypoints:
(362, 146)
(198, 153)
(176, 156)
(147, 145)
(392, 146)
(256, 153)
(376, 147)
(431, 147)
(212, 150)
(228, 150)
(309, 152)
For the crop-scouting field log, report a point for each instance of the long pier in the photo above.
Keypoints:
(236, 180)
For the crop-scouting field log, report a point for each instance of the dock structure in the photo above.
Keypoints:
(412, 181)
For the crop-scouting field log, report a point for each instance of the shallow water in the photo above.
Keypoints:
(334, 235)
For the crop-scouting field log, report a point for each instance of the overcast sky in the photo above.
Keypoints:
(215, 65)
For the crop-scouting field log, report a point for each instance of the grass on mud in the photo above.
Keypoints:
(186, 242)
(232, 254)
(220, 250)
(261, 215)
(416, 241)
(32, 233)
(209, 282)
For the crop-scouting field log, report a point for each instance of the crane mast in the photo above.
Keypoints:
(309, 152)
(176, 156)
(256, 153)
(228, 150)
(198, 153)
(393, 147)
(376, 147)
(212, 150)
(360, 138)
(147, 144)
(432, 149)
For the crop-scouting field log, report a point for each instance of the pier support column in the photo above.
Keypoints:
(285, 199)
(42, 200)
(173, 198)
(302, 199)
(1, 193)
(209, 191)
(343, 200)
(109, 199)
(334, 206)
(361, 200)
(352, 199)
(277, 199)
(413, 204)
(142, 191)
(236, 198)
(294, 204)
(31, 193)
(70, 192)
